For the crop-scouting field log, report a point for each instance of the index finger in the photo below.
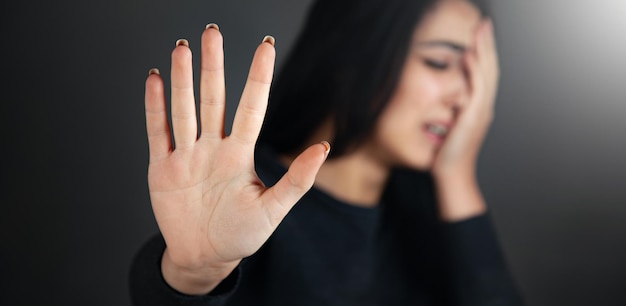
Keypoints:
(251, 110)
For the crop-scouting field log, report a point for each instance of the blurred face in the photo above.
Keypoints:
(431, 88)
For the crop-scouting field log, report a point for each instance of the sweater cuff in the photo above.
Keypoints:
(473, 242)
(148, 287)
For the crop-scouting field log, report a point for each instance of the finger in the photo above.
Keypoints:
(157, 126)
(183, 103)
(487, 61)
(475, 79)
(485, 46)
(212, 85)
(475, 62)
(480, 39)
(253, 103)
(492, 50)
(280, 198)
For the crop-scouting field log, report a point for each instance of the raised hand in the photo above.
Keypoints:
(455, 164)
(209, 204)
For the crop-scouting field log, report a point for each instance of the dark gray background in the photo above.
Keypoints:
(74, 193)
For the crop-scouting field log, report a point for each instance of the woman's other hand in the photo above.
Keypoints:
(455, 166)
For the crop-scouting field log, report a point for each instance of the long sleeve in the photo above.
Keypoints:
(460, 263)
(476, 264)
(147, 286)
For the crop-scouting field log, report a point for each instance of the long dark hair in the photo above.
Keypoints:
(343, 67)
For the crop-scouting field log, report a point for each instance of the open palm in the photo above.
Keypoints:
(210, 206)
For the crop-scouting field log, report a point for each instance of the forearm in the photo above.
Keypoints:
(479, 275)
(478, 272)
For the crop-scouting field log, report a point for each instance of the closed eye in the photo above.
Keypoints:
(437, 65)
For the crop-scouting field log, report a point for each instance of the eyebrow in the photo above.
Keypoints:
(444, 43)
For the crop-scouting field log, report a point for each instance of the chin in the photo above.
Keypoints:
(420, 167)
(419, 163)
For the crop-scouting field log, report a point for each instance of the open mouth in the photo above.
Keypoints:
(438, 130)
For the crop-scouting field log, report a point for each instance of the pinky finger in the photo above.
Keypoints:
(157, 126)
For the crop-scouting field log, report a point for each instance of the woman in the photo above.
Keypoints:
(404, 90)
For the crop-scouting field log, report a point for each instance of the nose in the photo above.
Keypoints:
(458, 90)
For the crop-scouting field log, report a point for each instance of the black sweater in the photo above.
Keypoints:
(326, 252)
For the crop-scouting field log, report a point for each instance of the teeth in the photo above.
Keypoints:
(438, 129)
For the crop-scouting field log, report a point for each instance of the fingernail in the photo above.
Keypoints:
(182, 42)
(212, 25)
(154, 71)
(269, 39)
(327, 146)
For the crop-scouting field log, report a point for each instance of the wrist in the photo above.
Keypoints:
(194, 279)
(458, 195)
(455, 175)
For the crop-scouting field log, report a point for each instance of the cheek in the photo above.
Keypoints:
(400, 129)
(401, 118)
(423, 90)
(417, 95)
(417, 92)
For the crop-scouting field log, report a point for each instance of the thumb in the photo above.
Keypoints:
(281, 197)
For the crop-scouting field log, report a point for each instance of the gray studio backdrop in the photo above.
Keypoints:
(76, 204)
